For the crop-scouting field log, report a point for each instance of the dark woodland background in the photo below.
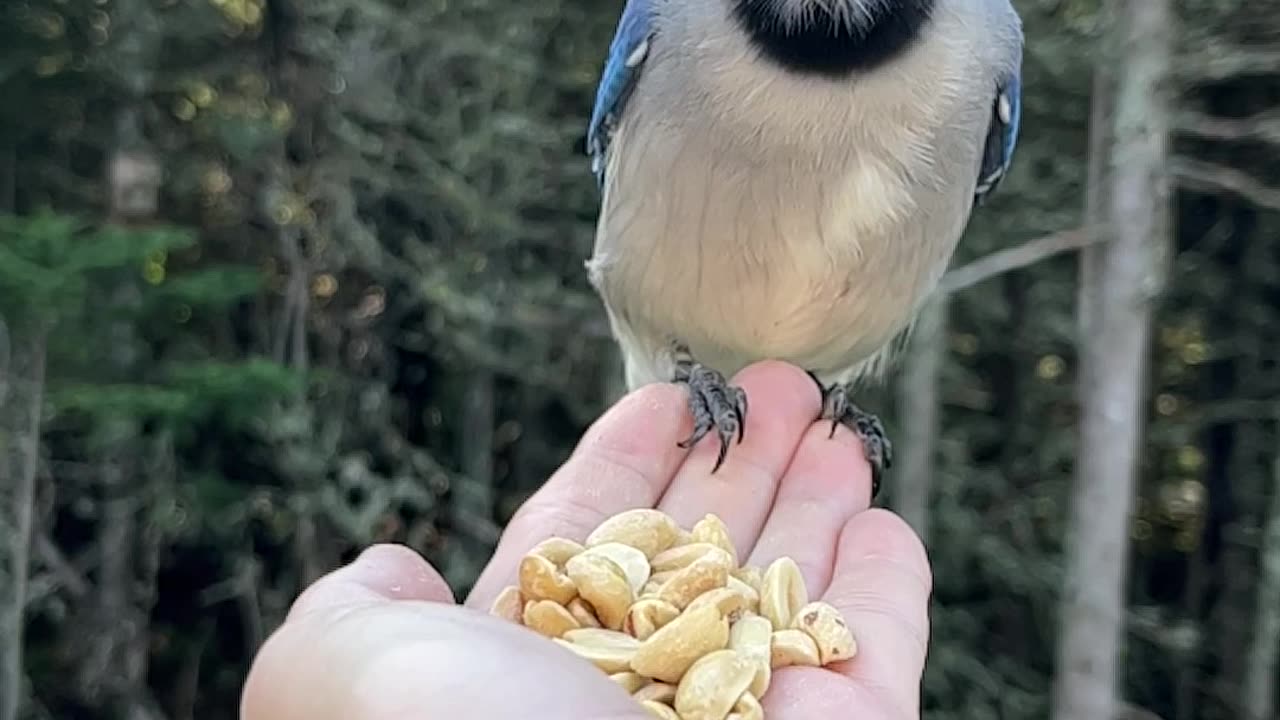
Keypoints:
(283, 278)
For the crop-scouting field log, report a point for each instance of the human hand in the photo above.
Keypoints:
(382, 637)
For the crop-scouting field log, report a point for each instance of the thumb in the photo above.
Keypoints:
(383, 576)
(382, 573)
(382, 638)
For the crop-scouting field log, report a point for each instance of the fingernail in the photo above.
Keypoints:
(399, 573)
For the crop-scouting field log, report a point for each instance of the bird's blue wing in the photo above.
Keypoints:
(627, 54)
(1002, 137)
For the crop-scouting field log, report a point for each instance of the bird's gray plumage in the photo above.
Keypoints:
(751, 210)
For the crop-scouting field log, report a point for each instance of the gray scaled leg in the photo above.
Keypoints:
(841, 410)
(714, 404)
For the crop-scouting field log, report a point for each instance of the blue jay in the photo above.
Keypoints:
(788, 179)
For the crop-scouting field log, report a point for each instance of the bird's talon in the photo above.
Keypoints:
(714, 403)
(840, 410)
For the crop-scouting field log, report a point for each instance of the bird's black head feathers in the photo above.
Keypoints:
(832, 37)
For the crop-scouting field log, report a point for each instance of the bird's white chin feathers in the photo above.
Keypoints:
(849, 13)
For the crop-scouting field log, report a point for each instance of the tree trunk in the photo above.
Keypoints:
(1260, 676)
(107, 672)
(1091, 257)
(919, 411)
(22, 367)
(1231, 624)
(474, 497)
(1128, 277)
(1186, 692)
(8, 175)
(291, 349)
(114, 672)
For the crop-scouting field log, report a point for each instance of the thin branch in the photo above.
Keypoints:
(1015, 258)
(1128, 711)
(1211, 177)
(1264, 126)
(19, 469)
(249, 601)
(477, 527)
(1216, 60)
(62, 568)
(1264, 655)
(1234, 411)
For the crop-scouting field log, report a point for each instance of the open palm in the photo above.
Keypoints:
(788, 489)
(384, 638)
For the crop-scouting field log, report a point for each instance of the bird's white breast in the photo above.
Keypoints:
(751, 214)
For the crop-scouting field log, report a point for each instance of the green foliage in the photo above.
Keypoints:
(208, 288)
(50, 265)
(235, 395)
(48, 260)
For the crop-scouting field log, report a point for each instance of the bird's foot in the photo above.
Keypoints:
(714, 404)
(840, 410)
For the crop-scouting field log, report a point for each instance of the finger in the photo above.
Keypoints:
(882, 584)
(827, 483)
(625, 460)
(804, 693)
(381, 573)
(782, 403)
(421, 660)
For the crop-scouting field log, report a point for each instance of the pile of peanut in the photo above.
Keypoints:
(671, 617)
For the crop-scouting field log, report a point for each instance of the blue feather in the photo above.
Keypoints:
(1002, 138)
(626, 55)
(1013, 91)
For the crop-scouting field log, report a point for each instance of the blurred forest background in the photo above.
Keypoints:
(283, 278)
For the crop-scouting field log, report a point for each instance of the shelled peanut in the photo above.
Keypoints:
(672, 617)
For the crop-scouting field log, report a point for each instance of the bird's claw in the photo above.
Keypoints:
(839, 409)
(714, 403)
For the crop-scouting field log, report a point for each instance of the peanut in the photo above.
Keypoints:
(629, 681)
(678, 558)
(750, 575)
(634, 565)
(751, 594)
(711, 529)
(747, 708)
(708, 572)
(651, 588)
(752, 638)
(823, 623)
(657, 691)
(669, 652)
(649, 531)
(658, 710)
(671, 618)
(582, 611)
(608, 650)
(548, 618)
(556, 549)
(782, 592)
(602, 583)
(647, 616)
(728, 600)
(661, 576)
(509, 605)
(793, 647)
(600, 636)
(540, 579)
(713, 685)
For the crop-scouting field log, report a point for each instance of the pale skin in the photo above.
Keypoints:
(383, 638)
